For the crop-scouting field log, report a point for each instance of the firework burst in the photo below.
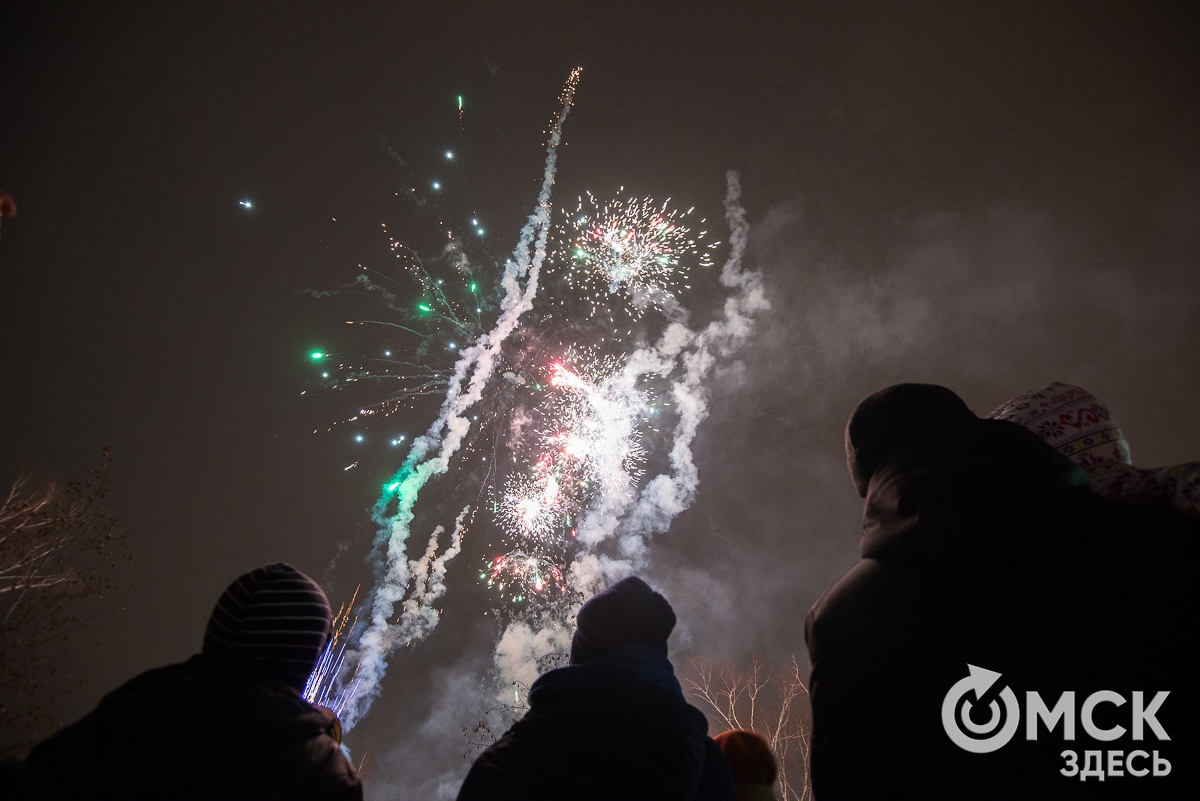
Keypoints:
(589, 447)
(534, 507)
(638, 249)
(529, 579)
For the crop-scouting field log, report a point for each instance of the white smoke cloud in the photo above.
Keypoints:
(691, 357)
(519, 648)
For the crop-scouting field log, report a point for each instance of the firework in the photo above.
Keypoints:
(638, 250)
(598, 429)
(431, 453)
(325, 685)
(588, 448)
(544, 410)
(534, 507)
(530, 579)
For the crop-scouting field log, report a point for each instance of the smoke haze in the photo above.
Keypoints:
(989, 196)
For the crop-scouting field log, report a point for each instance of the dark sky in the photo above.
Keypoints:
(991, 196)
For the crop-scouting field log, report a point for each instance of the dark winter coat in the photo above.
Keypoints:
(614, 727)
(986, 548)
(195, 731)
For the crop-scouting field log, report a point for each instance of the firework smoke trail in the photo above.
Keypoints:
(430, 453)
(418, 616)
(630, 519)
(668, 495)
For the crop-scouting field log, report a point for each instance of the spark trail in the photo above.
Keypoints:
(326, 686)
(431, 453)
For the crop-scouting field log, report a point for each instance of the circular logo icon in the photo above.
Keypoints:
(956, 710)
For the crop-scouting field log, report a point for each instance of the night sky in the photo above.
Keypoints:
(990, 196)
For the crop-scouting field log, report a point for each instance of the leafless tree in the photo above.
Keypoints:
(481, 735)
(763, 699)
(58, 546)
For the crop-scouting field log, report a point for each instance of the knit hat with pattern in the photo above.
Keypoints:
(1081, 427)
(1072, 420)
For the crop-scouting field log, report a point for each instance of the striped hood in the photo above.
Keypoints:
(272, 621)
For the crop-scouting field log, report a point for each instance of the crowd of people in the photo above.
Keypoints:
(1023, 547)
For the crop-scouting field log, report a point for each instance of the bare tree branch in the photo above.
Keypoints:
(58, 546)
(772, 703)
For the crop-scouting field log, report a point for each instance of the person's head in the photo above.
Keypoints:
(750, 758)
(1072, 420)
(627, 613)
(271, 623)
(895, 416)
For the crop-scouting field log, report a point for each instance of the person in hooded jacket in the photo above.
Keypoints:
(983, 549)
(229, 723)
(613, 724)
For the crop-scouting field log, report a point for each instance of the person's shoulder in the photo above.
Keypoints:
(161, 678)
(596, 688)
(633, 685)
(333, 777)
(491, 777)
(279, 712)
(1170, 526)
(122, 715)
(852, 595)
(716, 778)
(875, 606)
(1130, 534)
(212, 698)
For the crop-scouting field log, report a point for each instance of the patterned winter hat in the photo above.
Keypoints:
(1072, 420)
(274, 620)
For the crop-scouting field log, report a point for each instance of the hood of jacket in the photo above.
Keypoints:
(982, 492)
